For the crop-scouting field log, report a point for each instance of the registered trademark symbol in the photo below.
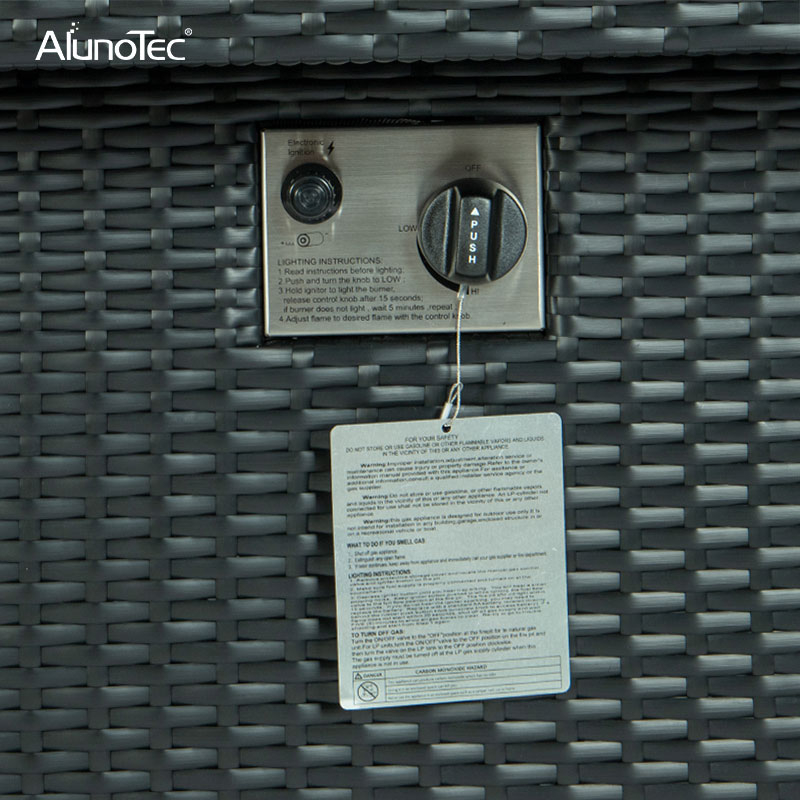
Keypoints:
(188, 31)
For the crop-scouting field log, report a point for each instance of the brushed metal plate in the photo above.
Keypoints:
(360, 271)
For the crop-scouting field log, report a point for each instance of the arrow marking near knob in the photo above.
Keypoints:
(475, 212)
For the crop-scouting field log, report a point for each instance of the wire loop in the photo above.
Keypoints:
(453, 403)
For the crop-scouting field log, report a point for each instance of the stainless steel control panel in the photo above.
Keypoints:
(371, 230)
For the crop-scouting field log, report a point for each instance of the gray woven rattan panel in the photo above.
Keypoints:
(167, 616)
(244, 32)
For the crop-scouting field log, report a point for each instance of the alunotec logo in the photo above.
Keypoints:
(137, 48)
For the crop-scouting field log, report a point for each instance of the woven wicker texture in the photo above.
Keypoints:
(167, 599)
(290, 31)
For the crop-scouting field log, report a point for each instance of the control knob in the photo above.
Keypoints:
(472, 231)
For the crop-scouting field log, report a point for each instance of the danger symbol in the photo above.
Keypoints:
(367, 691)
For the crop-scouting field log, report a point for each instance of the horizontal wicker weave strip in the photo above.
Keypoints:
(166, 613)
(243, 32)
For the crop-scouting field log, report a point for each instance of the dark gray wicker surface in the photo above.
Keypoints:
(167, 615)
(291, 31)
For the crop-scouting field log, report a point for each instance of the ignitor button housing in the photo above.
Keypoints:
(371, 229)
(311, 193)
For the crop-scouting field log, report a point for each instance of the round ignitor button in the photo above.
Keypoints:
(472, 231)
(311, 193)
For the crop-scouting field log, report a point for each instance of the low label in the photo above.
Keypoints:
(450, 560)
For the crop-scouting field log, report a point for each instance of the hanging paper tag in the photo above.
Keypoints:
(450, 560)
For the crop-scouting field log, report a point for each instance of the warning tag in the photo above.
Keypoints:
(449, 559)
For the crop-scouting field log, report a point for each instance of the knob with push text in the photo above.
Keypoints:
(473, 232)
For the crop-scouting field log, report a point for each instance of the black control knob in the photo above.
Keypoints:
(311, 193)
(473, 231)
